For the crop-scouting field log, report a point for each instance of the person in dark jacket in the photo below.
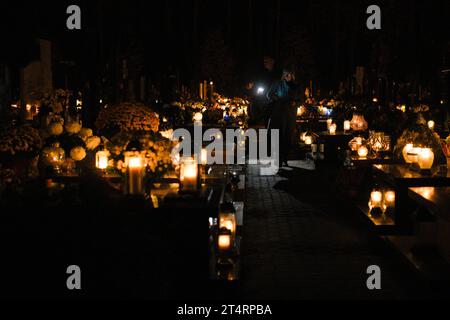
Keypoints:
(282, 96)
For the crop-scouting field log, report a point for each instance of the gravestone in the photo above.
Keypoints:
(37, 75)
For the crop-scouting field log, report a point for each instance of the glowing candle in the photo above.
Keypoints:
(300, 111)
(224, 242)
(135, 175)
(333, 128)
(375, 198)
(425, 158)
(408, 147)
(101, 160)
(413, 155)
(28, 114)
(204, 157)
(227, 218)
(308, 140)
(212, 89)
(228, 221)
(389, 198)
(363, 152)
(198, 117)
(303, 136)
(329, 123)
(347, 125)
(189, 174)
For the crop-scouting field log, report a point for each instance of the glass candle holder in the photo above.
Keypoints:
(426, 158)
(189, 174)
(101, 160)
(363, 152)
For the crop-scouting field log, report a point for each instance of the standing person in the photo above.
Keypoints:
(282, 95)
(267, 78)
(261, 82)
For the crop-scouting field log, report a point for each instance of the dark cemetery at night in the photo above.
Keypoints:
(225, 150)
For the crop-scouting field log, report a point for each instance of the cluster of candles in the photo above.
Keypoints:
(382, 200)
(357, 144)
(332, 127)
(424, 157)
(189, 170)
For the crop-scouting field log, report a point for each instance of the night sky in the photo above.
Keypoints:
(327, 38)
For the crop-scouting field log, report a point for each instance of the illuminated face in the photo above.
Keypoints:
(288, 76)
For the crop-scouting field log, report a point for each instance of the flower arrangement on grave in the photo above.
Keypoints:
(127, 117)
(19, 150)
(66, 144)
(24, 141)
(418, 134)
(153, 148)
(52, 100)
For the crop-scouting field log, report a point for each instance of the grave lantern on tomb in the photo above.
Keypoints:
(358, 123)
(227, 217)
(426, 158)
(375, 201)
(189, 174)
(101, 159)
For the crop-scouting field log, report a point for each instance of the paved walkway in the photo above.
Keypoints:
(299, 245)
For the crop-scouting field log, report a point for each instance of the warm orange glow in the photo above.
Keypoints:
(329, 123)
(198, 117)
(363, 152)
(389, 198)
(431, 124)
(426, 158)
(408, 147)
(135, 175)
(376, 197)
(227, 221)
(413, 155)
(303, 136)
(333, 128)
(135, 163)
(308, 140)
(347, 125)
(426, 192)
(224, 241)
(188, 173)
(101, 160)
(204, 156)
